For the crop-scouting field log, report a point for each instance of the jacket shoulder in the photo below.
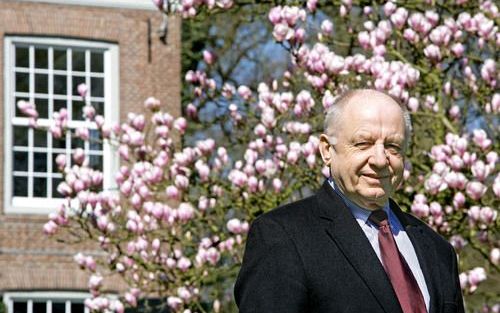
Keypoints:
(294, 211)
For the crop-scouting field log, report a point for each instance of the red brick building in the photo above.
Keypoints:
(47, 48)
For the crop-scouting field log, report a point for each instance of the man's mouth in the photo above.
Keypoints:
(376, 176)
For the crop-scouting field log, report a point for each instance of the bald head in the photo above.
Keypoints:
(361, 99)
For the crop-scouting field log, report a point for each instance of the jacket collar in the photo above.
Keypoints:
(346, 233)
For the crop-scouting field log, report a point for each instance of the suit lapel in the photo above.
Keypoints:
(426, 255)
(346, 233)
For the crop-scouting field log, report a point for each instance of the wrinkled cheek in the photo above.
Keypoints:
(397, 180)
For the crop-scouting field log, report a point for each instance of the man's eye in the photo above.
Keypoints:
(393, 148)
(362, 145)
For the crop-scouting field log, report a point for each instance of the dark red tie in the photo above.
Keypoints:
(402, 280)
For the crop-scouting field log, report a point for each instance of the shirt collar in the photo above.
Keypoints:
(358, 212)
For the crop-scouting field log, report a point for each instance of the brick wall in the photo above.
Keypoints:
(29, 260)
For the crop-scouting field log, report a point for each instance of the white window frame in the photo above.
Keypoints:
(120, 4)
(38, 205)
(44, 296)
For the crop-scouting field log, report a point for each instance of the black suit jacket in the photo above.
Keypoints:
(312, 256)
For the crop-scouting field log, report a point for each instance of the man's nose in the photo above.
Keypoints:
(379, 156)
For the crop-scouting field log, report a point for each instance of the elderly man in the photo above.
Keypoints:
(349, 248)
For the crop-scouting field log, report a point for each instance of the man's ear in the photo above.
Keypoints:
(324, 149)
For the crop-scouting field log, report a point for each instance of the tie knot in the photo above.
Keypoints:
(378, 217)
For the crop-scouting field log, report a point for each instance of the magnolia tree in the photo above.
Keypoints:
(174, 229)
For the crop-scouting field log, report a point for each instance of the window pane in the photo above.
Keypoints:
(60, 85)
(40, 138)
(96, 62)
(97, 87)
(20, 136)
(77, 308)
(59, 307)
(78, 60)
(20, 307)
(59, 104)
(40, 187)
(41, 83)
(40, 162)
(20, 190)
(20, 161)
(78, 110)
(76, 143)
(77, 80)
(39, 307)
(55, 183)
(99, 108)
(95, 141)
(41, 58)
(59, 142)
(95, 162)
(22, 57)
(42, 106)
(22, 82)
(60, 59)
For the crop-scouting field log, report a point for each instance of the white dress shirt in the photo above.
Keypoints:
(403, 242)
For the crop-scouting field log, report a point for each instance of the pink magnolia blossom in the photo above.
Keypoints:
(458, 49)
(300, 35)
(458, 242)
(244, 92)
(50, 228)
(209, 57)
(480, 170)
(475, 190)
(277, 185)
(492, 158)
(495, 256)
(64, 189)
(116, 305)
(275, 15)
(410, 35)
(311, 5)
(152, 104)
(260, 130)
(458, 200)
(95, 281)
(283, 32)
(480, 138)
(435, 184)
(433, 53)
(185, 212)
(61, 161)
(235, 226)
(213, 256)
(420, 209)
(389, 8)
(476, 276)
(131, 299)
(487, 215)
(28, 109)
(89, 112)
(440, 35)
(180, 124)
(326, 27)
(398, 18)
(82, 90)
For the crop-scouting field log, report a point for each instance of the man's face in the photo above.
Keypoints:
(367, 158)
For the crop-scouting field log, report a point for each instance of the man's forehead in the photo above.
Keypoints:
(363, 133)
